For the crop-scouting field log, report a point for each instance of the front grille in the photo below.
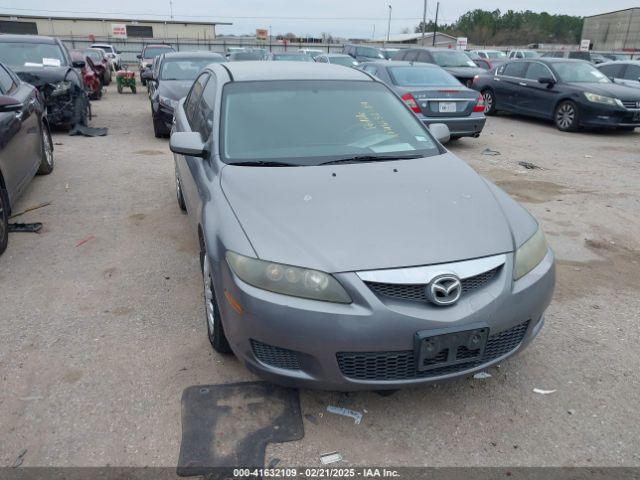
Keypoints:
(379, 366)
(275, 356)
(416, 292)
(630, 103)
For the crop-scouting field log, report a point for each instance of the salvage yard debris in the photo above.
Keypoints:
(529, 166)
(333, 457)
(30, 209)
(19, 459)
(482, 375)
(25, 227)
(543, 392)
(488, 151)
(85, 240)
(345, 412)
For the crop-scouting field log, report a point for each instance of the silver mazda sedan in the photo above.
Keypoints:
(342, 247)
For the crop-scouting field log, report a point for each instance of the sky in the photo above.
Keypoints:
(343, 18)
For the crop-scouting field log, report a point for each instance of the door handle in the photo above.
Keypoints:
(522, 84)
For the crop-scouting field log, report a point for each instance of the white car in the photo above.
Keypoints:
(523, 54)
(491, 54)
(111, 53)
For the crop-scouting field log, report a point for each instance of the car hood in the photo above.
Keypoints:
(609, 90)
(465, 72)
(368, 215)
(38, 76)
(174, 89)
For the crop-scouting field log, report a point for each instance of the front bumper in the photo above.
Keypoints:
(470, 126)
(164, 114)
(612, 117)
(369, 344)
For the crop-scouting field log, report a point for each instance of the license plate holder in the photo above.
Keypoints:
(446, 347)
(636, 116)
(447, 107)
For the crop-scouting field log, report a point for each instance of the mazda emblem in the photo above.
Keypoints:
(444, 290)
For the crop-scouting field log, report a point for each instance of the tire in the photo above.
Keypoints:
(179, 196)
(4, 222)
(143, 82)
(46, 152)
(159, 129)
(213, 320)
(489, 101)
(133, 89)
(119, 88)
(565, 117)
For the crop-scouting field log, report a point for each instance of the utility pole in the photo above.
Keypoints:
(435, 25)
(424, 20)
(373, 35)
(171, 8)
(389, 24)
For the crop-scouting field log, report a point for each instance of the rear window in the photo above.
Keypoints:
(184, 69)
(422, 77)
(293, 57)
(452, 59)
(152, 52)
(337, 119)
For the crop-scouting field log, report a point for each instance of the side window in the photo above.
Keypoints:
(411, 56)
(6, 81)
(632, 73)
(558, 54)
(206, 108)
(515, 69)
(424, 57)
(399, 55)
(612, 71)
(371, 69)
(537, 71)
(580, 55)
(482, 54)
(192, 102)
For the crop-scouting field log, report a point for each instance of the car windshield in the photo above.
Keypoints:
(327, 120)
(346, 61)
(452, 59)
(579, 72)
(152, 52)
(422, 77)
(185, 68)
(493, 54)
(104, 48)
(15, 54)
(292, 57)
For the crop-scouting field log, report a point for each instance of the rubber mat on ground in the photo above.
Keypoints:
(230, 425)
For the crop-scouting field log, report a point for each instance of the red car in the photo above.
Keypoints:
(90, 77)
(101, 63)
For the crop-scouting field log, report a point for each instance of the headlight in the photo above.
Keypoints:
(287, 280)
(593, 97)
(168, 102)
(530, 254)
(61, 88)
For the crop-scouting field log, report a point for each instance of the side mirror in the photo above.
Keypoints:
(440, 131)
(147, 75)
(138, 56)
(547, 80)
(9, 104)
(78, 64)
(187, 143)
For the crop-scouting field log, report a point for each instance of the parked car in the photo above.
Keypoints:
(90, 76)
(456, 62)
(434, 95)
(337, 58)
(44, 62)
(232, 50)
(594, 58)
(176, 73)
(149, 52)
(312, 52)
(25, 143)
(288, 57)
(363, 53)
(350, 250)
(100, 63)
(389, 52)
(514, 54)
(244, 56)
(623, 72)
(484, 63)
(112, 54)
(491, 54)
(572, 93)
(617, 56)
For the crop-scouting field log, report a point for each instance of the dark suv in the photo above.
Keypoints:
(456, 62)
(364, 53)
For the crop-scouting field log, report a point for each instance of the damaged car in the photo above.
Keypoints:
(90, 75)
(45, 63)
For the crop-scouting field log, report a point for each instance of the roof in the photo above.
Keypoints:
(259, 70)
(615, 11)
(103, 19)
(195, 54)
(400, 63)
(404, 37)
(26, 38)
(330, 55)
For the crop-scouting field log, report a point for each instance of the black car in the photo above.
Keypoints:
(456, 62)
(623, 72)
(572, 93)
(175, 75)
(45, 63)
(364, 53)
(25, 143)
(592, 57)
(433, 94)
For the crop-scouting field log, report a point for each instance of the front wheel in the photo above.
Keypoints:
(46, 153)
(215, 332)
(179, 196)
(4, 222)
(566, 116)
(489, 102)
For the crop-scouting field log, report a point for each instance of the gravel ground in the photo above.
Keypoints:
(99, 340)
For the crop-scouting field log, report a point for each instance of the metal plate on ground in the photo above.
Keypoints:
(230, 425)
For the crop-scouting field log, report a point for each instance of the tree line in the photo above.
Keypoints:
(484, 27)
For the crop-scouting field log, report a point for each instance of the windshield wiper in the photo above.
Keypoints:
(370, 158)
(264, 163)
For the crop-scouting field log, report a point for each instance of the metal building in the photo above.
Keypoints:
(614, 31)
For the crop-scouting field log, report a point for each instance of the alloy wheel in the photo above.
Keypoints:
(3, 212)
(488, 101)
(48, 150)
(208, 297)
(565, 116)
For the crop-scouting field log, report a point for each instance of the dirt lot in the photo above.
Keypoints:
(99, 340)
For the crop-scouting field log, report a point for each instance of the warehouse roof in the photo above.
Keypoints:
(103, 19)
(615, 11)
